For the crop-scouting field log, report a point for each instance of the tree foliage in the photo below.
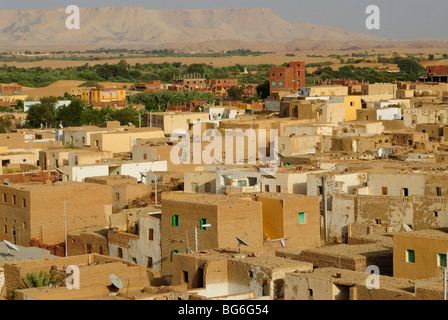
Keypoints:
(43, 113)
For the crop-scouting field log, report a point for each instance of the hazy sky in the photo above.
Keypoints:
(400, 19)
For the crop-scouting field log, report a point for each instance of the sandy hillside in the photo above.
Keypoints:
(60, 87)
(131, 26)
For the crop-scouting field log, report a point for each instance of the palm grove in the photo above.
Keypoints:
(79, 113)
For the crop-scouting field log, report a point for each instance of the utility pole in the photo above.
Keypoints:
(196, 238)
(324, 197)
(445, 271)
(155, 186)
(65, 223)
(444, 284)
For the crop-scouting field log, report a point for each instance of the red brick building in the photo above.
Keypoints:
(437, 73)
(10, 90)
(191, 84)
(151, 86)
(290, 78)
(219, 85)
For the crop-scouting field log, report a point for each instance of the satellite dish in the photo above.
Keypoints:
(218, 161)
(10, 246)
(241, 242)
(283, 243)
(6, 181)
(266, 172)
(116, 281)
(279, 154)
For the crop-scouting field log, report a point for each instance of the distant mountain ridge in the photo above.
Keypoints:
(138, 27)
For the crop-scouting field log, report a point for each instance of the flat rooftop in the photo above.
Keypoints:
(441, 234)
(272, 262)
(256, 260)
(30, 186)
(348, 277)
(354, 251)
(211, 199)
(112, 180)
(98, 231)
(271, 195)
(25, 253)
(86, 129)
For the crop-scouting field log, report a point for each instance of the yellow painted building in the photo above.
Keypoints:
(90, 95)
(13, 98)
(293, 218)
(352, 103)
(420, 254)
(245, 106)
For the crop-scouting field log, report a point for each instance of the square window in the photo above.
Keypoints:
(150, 234)
(410, 256)
(302, 217)
(441, 260)
(207, 187)
(175, 221)
(203, 222)
(185, 276)
(195, 187)
(405, 192)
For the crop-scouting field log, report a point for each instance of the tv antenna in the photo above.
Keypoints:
(241, 242)
(10, 247)
(142, 175)
(117, 284)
